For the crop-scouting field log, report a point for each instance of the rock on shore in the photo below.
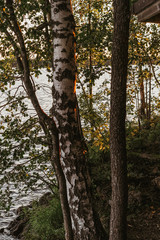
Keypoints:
(20, 225)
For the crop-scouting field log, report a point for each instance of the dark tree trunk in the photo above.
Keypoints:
(149, 97)
(118, 228)
(141, 86)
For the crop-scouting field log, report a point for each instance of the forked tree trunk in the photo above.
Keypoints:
(63, 129)
(65, 114)
(46, 122)
(118, 224)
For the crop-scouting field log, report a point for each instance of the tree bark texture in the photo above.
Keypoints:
(63, 130)
(46, 122)
(118, 226)
(65, 114)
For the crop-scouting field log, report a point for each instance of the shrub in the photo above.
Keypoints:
(46, 222)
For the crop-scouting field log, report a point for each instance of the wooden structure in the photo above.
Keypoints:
(147, 10)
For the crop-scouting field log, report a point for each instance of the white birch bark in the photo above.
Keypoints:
(65, 115)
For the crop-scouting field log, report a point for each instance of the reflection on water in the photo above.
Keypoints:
(44, 96)
(6, 237)
(7, 217)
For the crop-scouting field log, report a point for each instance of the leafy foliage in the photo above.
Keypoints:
(146, 139)
(46, 222)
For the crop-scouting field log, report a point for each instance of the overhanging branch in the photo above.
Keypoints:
(44, 118)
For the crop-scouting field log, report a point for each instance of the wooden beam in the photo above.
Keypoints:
(152, 13)
(147, 10)
(140, 5)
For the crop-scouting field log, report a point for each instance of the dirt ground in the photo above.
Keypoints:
(144, 199)
(145, 225)
(144, 195)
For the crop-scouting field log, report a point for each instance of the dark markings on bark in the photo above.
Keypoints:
(64, 74)
(63, 50)
(62, 7)
(68, 74)
(70, 19)
(57, 45)
(64, 35)
(55, 23)
(56, 10)
(56, 96)
(57, 1)
(64, 29)
(59, 35)
(63, 60)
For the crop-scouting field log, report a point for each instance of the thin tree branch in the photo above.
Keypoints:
(27, 80)
(150, 60)
(154, 74)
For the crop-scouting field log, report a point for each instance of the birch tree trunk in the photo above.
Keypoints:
(118, 226)
(47, 123)
(62, 130)
(65, 114)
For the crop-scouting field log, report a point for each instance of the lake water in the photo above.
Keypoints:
(44, 96)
